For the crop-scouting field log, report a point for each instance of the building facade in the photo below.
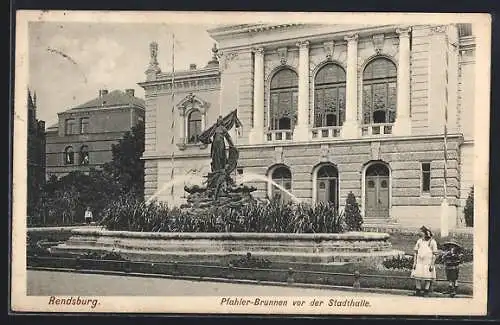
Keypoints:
(36, 153)
(327, 110)
(84, 135)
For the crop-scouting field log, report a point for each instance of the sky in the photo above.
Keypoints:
(70, 62)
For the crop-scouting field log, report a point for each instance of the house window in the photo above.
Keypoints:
(426, 178)
(84, 125)
(194, 126)
(379, 92)
(69, 156)
(282, 177)
(329, 96)
(70, 126)
(284, 100)
(84, 155)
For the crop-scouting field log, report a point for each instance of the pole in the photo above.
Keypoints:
(172, 127)
(444, 204)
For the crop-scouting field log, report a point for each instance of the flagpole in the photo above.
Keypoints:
(444, 204)
(172, 128)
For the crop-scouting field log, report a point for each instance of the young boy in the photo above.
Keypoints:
(88, 216)
(452, 259)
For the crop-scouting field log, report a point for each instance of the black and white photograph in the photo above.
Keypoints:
(251, 163)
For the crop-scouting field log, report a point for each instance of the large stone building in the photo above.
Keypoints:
(83, 137)
(35, 153)
(326, 110)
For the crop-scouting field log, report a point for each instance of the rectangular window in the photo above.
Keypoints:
(69, 127)
(84, 125)
(426, 178)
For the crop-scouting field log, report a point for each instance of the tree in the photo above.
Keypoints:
(352, 213)
(469, 209)
(126, 168)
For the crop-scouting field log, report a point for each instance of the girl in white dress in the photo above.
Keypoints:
(424, 270)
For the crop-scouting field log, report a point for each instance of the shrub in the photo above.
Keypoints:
(251, 262)
(402, 262)
(131, 214)
(469, 209)
(352, 213)
(405, 262)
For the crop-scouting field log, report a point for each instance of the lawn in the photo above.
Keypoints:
(406, 242)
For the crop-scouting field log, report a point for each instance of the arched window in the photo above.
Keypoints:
(379, 92)
(329, 96)
(194, 126)
(283, 177)
(283, 104)
(69, 156)
(84, 155)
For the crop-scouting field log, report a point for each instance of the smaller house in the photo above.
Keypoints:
(83, 137)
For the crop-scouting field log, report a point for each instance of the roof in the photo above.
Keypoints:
(113, 98)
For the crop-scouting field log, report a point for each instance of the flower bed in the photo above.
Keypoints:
(255, 217)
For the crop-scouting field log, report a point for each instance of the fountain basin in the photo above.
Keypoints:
(222, 247)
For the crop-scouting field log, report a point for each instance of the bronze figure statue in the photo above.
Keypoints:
(222, 163)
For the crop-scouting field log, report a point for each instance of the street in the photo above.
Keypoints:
(46, 283)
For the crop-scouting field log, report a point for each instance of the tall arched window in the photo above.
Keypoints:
(194, 126)
(69, 155)
(283, 104)
(283, 177)
(329, 96)
(379, 92)
(84, 155)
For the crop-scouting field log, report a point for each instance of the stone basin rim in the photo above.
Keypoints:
(350, 236)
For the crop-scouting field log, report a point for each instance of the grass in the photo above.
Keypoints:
(406, 242)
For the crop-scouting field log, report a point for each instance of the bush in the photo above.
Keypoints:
(251, 262)
(352, 213)
(131, 214)
(403, 262)
(469, 209)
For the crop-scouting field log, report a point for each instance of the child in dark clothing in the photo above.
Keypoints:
(452, 259)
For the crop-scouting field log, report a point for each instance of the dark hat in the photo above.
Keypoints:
(426, 231)
(451, 244)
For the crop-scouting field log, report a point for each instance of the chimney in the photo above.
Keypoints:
(192, 66)
(130, 92)
(103, 92)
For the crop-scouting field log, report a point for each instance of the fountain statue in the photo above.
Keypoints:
(220, 189)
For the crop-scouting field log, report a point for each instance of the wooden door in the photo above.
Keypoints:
(327, 190)
(377, 197)
(377, 191)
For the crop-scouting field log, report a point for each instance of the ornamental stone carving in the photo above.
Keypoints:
(225, 59)
(192, 101)
(329, 48)
(283, 55)
(378, 43)
(278, 155)
(439, 29)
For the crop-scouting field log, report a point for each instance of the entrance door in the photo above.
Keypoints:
(377, 191)
(327, 185)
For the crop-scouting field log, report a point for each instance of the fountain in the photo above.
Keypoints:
(219, 189)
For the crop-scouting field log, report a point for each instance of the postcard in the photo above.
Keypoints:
(251, 163)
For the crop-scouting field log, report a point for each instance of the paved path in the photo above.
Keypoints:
(46, 283)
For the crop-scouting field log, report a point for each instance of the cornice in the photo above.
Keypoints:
(199, 83)
(247, 28)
